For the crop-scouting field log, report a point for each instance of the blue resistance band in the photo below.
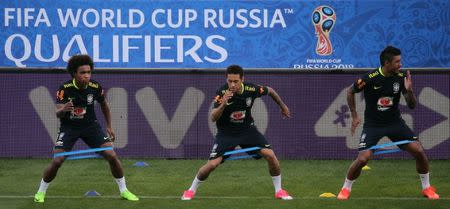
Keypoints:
(78, 157)
(240, 157)
(81, 152)
(385, 151)
(241, 151)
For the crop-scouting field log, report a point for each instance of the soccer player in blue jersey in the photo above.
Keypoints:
(75, 109)
(232, 114)
(382, 88)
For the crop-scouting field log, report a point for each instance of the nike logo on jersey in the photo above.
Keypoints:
(376, 87)
(229, 103)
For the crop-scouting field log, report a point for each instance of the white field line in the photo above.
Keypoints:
(216, 197)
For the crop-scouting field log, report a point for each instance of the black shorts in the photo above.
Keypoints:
(92, 135)
(397, 131)
(228, 142)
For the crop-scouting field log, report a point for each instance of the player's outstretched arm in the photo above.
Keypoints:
(284, 109)
(409, 95)
(352, 106)
(107, 113)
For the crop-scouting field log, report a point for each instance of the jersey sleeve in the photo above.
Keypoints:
(261, 90)
(360, 84)
(61, 96)
(100, 94)
(218, 98)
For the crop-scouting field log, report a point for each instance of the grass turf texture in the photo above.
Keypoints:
(235, 184)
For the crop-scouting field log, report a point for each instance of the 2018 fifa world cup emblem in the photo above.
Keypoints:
(323, 19)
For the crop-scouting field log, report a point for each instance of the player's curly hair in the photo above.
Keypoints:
(79, 60)
(388, 54)
(235, 69)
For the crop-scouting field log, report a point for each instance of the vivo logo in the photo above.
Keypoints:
(169, 132)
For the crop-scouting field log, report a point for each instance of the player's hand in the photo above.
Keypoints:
(285, 112)
(408, 81)
(228, 94)
(68, 107)
(111, 134)
(355, 123)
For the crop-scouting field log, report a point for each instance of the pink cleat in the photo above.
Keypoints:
(430, 193)
(188, 195)
(283, 194)
(344, 194)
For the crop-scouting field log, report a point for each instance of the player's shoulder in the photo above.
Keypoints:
(94, 84)
(250, 87)
(373, 74)
(401, 74)
(67, 85)
(256, 88)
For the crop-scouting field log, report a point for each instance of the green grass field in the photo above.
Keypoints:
(236, 184)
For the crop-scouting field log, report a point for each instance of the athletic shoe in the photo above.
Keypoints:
(344, 194)
(283, 194)
(430, 193)
(129, 196)
(188, 195)
(39, 197)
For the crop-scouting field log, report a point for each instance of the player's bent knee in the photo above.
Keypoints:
(110, 155)
(419, 155)
(271, 158)
(57, 162)
(213, 165)
(267, 153)
(362, 160)
(416, 147)
(416, 150)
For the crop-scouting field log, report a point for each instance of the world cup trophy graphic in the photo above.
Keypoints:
(323, 19)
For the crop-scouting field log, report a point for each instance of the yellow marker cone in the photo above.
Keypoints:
(327, 194)
(366, 168)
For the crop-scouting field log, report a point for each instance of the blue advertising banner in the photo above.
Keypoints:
(215, 34)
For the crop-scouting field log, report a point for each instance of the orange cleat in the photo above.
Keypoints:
(344, 194)
(430, 193)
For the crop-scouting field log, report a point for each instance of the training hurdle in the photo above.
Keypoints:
(75, 155)
(379, 149)
(229, 153)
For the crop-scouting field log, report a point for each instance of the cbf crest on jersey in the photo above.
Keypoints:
(90, 99)
(396, 87)
(248, 101)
